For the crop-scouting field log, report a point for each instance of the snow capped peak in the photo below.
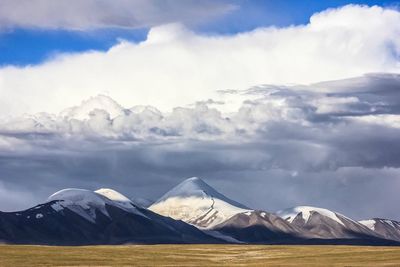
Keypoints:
(81, 201)
(196, 187)
(195, 202)
(78, 196)
(99, 102)
(115, 197)
(194, 180)
(86, 202)
(306, 212)
(189, 187)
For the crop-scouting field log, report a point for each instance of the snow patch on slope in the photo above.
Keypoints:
(119, 200)
(372, 223)
(390, 223)
(57, 206)
(369, 223)
(291, 213)
(115, 196)
(81, 201)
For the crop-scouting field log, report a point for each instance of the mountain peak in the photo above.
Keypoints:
(115, 197)
(192, 185)
(196, 187)
(75, 195)
(81, 201)
(194, 179)
(85, 202)
(306, 211)
(196, 202)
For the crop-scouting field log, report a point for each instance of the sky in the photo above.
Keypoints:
(274, 103)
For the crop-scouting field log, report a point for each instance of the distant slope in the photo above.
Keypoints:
(388, 229)
(258, 227)
(326, 224)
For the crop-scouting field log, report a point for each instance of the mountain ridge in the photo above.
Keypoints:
(84, 217)
(191, 212)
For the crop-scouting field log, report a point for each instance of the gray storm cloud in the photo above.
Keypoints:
(95, 14)
(333, 144)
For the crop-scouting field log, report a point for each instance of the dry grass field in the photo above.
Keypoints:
(199, 255)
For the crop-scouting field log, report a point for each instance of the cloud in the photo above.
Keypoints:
(332, 144)
(270, 116)
(95, 14)
(176, 67)
(12, 198)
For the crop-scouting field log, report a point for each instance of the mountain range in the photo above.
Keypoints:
(192, 212)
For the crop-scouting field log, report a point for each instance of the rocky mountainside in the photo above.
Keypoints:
(388, 229)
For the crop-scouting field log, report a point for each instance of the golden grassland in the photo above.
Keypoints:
(198, 255)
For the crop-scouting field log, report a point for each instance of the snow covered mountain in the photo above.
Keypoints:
(326, 224)
(83, 217)
(388, 229)
(300, 225)
(305, 212)
(87, 203)
(197, 203)
(199, 214)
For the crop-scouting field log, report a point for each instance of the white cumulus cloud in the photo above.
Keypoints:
(175, 66)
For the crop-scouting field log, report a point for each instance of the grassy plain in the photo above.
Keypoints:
(198, 255)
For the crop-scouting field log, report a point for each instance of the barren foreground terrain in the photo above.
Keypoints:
(198, 255)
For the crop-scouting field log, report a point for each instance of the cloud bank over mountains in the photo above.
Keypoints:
(175, 66)
(330, 143)
(372, 99)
